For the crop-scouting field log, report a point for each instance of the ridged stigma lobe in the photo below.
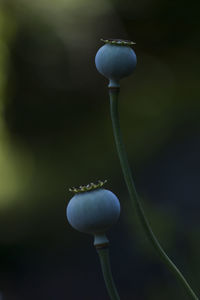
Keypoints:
(89, 187)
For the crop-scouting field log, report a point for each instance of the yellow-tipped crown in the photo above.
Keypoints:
(89, 187)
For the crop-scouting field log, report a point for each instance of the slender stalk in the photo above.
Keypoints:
(107, 274)
(135, 200)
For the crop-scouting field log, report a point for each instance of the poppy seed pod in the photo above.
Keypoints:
(115, 60)
(93, 209)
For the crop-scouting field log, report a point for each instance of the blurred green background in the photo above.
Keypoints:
(55, 132)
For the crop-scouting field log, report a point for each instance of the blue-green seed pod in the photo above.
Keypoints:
(115, 60)
(93, 209)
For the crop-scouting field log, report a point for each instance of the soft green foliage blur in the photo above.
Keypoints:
(55, 129)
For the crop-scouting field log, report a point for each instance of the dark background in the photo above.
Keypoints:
(55, 132)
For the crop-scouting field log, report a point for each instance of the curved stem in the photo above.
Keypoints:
(135, 200)
(107, 274)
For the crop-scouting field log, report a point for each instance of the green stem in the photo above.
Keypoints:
(135, 200)
(107, 274)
